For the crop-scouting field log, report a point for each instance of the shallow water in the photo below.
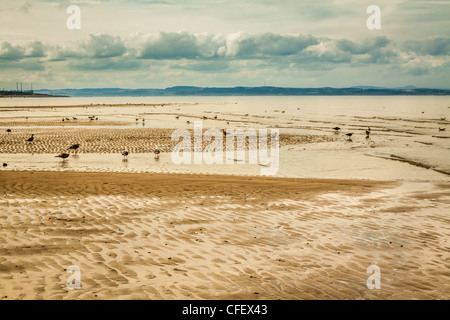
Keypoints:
(404, 143)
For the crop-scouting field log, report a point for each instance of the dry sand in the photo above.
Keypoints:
(163, 236)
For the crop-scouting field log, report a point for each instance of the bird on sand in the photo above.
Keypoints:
(8, 130)
(74, 147)
(349, 135)
(30, 139)
(336, 129)
(125, 154)
(442, 129)
(157, 152)
(64, 156)
(5, 164)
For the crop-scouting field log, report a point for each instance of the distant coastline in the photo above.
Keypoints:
(241, 91)
(27, 94)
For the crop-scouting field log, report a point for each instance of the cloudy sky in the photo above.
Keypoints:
(163, 43)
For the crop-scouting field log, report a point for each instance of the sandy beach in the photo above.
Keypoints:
(162, 236)
(143, 228)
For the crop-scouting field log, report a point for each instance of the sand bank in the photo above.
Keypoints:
(166, 236)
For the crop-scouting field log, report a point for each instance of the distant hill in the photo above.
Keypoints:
(245, 91)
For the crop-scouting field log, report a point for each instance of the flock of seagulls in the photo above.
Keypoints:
(75, 147)
(350, 134)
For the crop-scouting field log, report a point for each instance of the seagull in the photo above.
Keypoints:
(63, 156)
(157, 152)
(215, 117)
(74, 147)
(349, 135)
(442, 129)
(188, 122)
(74, 118)
(8, 130)
(336, 129)
(177, 117)
(444, 119)
(31, 138)
(125, 154)
(228, 122)
(204, 118)
(5, 164)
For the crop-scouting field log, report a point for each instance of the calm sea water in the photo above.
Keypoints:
(381, 106)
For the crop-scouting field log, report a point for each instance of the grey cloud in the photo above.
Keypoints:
(104, 46)
(378, 50)
(176, 46)
(438, 46)
(37, 50)
(97, 47)
(269, 44)
(367, 46)
(11, 52)
(184, 45)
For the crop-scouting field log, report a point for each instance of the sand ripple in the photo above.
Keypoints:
(146, 236)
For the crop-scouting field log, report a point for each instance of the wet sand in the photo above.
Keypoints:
(167, 236)
(139, 233)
